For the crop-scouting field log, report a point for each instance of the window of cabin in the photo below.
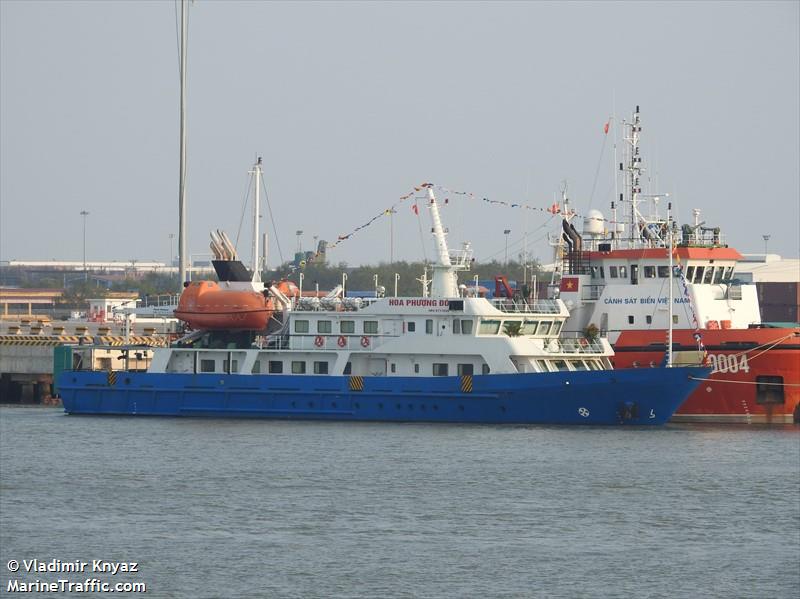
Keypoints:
(769, 390)
(648, 319)
(348, 368)
(298, 367)
(595, 271)
(602, 273)
(579, 365)
(234, 366)
(439, 369)
(529, 327)
(690, 274)
(416, 368)
(456, 326)
(465, 369)
(347, 326)
(544, 327)
(323, 326)
(320, 368)
(370, 327)
(301, 326)
(560, 365)
(612, 272)
(634, 274)
(718, 275)
(556, 328)
(393, 367)
(595, 365)
(649, 272)
(729, 273)
(698, 274)
(208, 365)
(542, 365)
(630, 319)
(623, 272)
(275, 367)
(674, 319)
(429, 327)
(709, 275)
(466, 327)
(412, 326)
(489, 327)
(663, 272)
(485, 369)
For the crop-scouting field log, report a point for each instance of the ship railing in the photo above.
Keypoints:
(542, 306)
(328, 342)
(576, 345)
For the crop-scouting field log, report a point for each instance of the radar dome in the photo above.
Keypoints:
(593, 223)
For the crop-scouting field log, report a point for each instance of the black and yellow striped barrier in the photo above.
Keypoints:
(38, 340)
(133, 340)
(466, 383)
(112, 378)
(356, 383)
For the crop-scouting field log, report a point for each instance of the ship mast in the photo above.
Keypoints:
(256, 173)
(634, 175)
(444, 276)
(182, 174)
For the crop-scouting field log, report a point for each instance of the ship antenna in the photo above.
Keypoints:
(669, 283)
(182, 174)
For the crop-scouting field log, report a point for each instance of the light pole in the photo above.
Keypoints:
(506, 232)
(84, 214)
(171, 237)
(766, 241)
(344, 282)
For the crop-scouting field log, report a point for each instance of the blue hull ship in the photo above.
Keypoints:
(606, 397)
(448, 355)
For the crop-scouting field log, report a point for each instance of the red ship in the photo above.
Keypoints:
(619, 279)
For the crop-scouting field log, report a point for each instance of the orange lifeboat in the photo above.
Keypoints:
(205, 305)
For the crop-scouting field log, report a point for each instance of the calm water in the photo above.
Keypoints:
(213, 508)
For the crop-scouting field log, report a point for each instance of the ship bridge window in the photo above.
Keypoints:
(466, 327)
(728, 273)
(347, 326)
(623, 272)
(560, 365)
(411, 326)
(579, 365)
(234, 366)
(275, 367)
(544, 327)
(370, 327)
(488, 327)
(769, 390)
(556, 328)
(612, 272)
(663, 272)
(429, 327)
(698, 274)
(298, 367)
(456, 327)
(634, 274)
(709, 275)
(465, 369)
(649, 272)
(690, 274)
(439, 369)
(324, 326)
(320, 368)
(208, 365)
(529, 327)
(301, 326)
(718, 275)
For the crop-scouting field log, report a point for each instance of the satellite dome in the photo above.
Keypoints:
(594, 223)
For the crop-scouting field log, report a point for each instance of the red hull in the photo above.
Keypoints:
(756, 375)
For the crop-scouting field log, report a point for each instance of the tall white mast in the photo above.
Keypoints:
(669, 282)
(182, 175)
(256, 172)
(444, 277)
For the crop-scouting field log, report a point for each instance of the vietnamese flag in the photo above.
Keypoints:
(415, 209)
(605, 127)
(569, 284)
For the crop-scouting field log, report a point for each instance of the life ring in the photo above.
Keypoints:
(365, 342)
(318, 341)
(341, 341)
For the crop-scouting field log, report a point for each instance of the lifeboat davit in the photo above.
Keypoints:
(206, 305)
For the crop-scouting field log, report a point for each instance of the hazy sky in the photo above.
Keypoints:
(352, 104)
